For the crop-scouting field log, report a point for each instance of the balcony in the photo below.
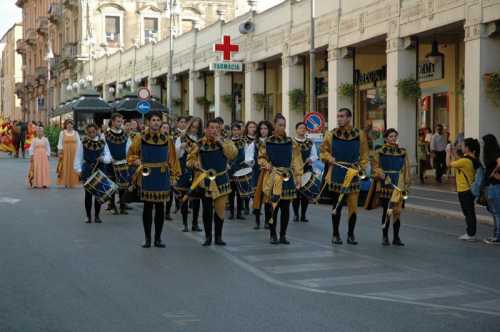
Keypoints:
(69, 54)
(30, 36)
(41, 72)
(42, 25)
(71, 4)
(21, 46)
(55, 13)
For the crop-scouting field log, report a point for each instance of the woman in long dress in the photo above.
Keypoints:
(68, 139)
(39, 153)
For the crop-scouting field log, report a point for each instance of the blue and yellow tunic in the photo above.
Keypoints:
(349, 147)
(306, 147)
(92, 151)
(237, 163)
(211, 158)
(156, 153)
(284, 156)
(391, 163)
(186, 177)
(117, 144)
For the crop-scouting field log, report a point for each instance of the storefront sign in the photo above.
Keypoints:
(227, 66)
(373, 76)
(428, 71)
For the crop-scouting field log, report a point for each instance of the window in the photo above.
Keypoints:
(150, 29)
(113, 31)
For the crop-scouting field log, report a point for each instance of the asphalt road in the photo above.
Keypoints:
(59, 274)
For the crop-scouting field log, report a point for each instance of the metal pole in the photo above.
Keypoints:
(312, 63)
(170, 62)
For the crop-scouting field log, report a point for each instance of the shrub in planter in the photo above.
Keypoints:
(260, 101)
(346, 90)
(493, 87)
(228, 100)
(297, 99)
(409, 88)
(52, 134)
(203, 101)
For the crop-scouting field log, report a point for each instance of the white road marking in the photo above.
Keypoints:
(371, 278)
(427, 293)
(311, 267)
(9, 200)
(290, 255)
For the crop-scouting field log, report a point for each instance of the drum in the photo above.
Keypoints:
(99, 185)
(243, 180)
(311, 186)
(122, 174)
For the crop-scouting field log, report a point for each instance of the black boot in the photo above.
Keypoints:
(185, 223)
(274, 236)
(350, 235)
(397, 241)
(385, 237)
(159, 244)
(257, 221)
(196, 212)
(218, 230)
(147, 243)
(283, 240)
(335, 226)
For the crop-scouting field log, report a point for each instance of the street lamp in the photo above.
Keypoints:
(174, 10)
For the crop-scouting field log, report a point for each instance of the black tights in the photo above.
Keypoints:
(338, 215)
(147, 219)
(284, 207)
(267, 214)
(168, 204)
(239, 202)
(301, 200)
(88, 205)
(397, 223)
(195, 205)
(210, 217)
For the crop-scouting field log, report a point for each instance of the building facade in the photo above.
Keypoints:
(11, 74)
(63, 35)
(371, 56)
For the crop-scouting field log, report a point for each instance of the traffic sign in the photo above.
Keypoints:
(143, 107)
(144, 93)
(315, 122)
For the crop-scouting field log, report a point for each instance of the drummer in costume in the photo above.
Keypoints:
(92, 154)
(264, 130)
(183, 145)
(235, 165)
(280, 157)
(309, 155)
(209, 158)
(118, 143)
(165, 130)
(345, 152)
(154, 155)
(391, 166)
(249, 135)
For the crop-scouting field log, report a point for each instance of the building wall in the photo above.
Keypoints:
(11, 73)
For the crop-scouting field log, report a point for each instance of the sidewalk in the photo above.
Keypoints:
(441, 199)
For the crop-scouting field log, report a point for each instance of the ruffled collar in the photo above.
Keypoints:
(154, 138)
(346, 133)
(394, 150)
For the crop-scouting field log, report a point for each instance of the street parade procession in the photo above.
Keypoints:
(249, 165)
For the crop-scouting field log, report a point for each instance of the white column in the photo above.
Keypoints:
(176, 94)
(106, 95)
(254, 83)
(292, 78)
(196, 90)
(481, 115)
(154, 87)
(401, 111)
(340, 71)
(222, 87)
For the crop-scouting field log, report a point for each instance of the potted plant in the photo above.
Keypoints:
(409, 88)
(203, 101)
(228, 100)
(260, 101)
(297, 99)
(492, 81)
(176, 102)
(346, 90)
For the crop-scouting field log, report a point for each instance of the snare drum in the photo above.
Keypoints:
(99, 185)
(243, 180)
(311, 186)
(122, 174)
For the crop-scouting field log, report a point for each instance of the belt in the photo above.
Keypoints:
(162, 166)
(212, 176)
(392, 172)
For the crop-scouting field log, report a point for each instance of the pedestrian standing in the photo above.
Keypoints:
(165, 130)
(66, 146)
(154, 153)
(465, 168)
(438, 145)
(236, 165)
(39, 153)
(491, 157)
(422, 155)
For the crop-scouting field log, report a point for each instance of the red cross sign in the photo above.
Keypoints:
(227, 48)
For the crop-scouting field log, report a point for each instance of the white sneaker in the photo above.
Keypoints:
(467, 237)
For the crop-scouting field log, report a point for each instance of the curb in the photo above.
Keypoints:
(482, 219)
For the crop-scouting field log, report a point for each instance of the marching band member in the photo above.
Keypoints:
(209, 157)
(92, 153)
(180, 126)
(249, 135)
(118, 143)
(183, 145)
(391, 165)
(264, 130)
(280, 157)
(165, 130)
(345, 151)
(133, 129)
(154, 155)
(309, 155)
(236, 165)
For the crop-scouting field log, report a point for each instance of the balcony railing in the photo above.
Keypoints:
(55, 13)
(41, 72)
(69, 51)
(42, 25)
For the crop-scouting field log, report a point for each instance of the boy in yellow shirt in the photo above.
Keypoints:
(465, 168)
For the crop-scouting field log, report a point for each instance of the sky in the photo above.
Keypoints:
(10, 15)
